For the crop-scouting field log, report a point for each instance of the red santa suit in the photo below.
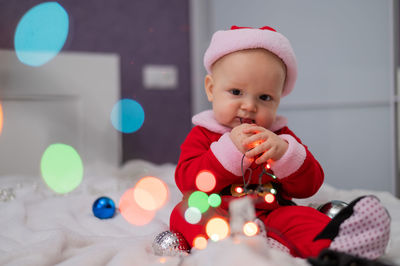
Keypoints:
(209, 147)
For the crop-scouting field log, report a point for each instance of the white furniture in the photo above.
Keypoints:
(67, 100)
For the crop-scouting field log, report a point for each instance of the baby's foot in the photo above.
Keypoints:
(361, 229)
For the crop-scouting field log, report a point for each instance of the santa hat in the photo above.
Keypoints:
(242, 38)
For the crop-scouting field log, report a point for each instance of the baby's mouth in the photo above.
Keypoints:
(247, 120)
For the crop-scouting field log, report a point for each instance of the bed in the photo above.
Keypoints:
(40, 227)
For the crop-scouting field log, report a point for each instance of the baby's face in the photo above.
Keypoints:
(246, 87)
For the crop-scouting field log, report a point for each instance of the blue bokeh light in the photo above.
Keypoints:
(127, 116)
(41, 33)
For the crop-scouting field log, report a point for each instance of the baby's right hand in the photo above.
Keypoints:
(237, 136)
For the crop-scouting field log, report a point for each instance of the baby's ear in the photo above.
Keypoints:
(208, 86)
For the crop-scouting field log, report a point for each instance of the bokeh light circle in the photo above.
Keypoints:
(214, 200)
(61, 168)
(41, 33)
(192, 215)
(205, 181)
(132, 212)
(217, 229)
(250, 229)
(200, 242)
(150, 193)
(199, 200)
(127, 116)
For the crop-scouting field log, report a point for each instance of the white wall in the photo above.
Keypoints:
(343, 104)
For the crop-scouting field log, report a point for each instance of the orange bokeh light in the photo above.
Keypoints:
(269, 198)
(250, 229)
(1, 118)
(205, 181)
(132, 212)
(217, 229)
(200, 242)
(150, 193)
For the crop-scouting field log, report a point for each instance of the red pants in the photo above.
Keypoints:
(293, 226)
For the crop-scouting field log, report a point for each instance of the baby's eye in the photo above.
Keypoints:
(265, 97)
(235, 91)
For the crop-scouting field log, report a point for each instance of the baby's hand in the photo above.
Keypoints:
(264, 142)
(238, 137)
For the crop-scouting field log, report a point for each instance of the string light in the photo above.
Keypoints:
(269, 198)
(239, 189)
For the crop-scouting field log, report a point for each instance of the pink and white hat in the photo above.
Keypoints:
(242, 38)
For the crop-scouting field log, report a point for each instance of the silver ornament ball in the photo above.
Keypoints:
(169, 243)
(332, 208)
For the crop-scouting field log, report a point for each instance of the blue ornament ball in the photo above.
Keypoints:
(103, 208)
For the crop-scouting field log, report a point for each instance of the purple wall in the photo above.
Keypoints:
(141, 32)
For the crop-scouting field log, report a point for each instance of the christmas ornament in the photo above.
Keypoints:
(103, 208)
(169, 243)
(332, 208)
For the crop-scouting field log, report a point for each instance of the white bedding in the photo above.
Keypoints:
(39, 227)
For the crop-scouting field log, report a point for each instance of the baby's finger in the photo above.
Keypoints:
(253, 128)
(259, 149)
(265, 157)
(254, 140)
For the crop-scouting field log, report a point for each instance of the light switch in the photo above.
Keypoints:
(160, 77)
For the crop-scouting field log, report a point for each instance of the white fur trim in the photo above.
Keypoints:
(292, 160)
(228, 155)
(207, 120)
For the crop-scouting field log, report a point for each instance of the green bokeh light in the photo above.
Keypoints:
(214, 200)
(199, 200)
(61, 167)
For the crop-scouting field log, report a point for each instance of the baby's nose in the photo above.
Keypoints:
(249, 105)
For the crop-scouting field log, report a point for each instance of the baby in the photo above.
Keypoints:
(248, 148)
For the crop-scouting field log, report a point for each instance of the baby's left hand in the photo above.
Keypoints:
(266, 143)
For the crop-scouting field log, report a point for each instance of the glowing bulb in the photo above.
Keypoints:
(200, 242)
(273, 191)
(239, 189)
(250, 229)
(269, 198)
(268, 166)
(256, 143)
(217, 229)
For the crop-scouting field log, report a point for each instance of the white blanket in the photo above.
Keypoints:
(38, 227)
